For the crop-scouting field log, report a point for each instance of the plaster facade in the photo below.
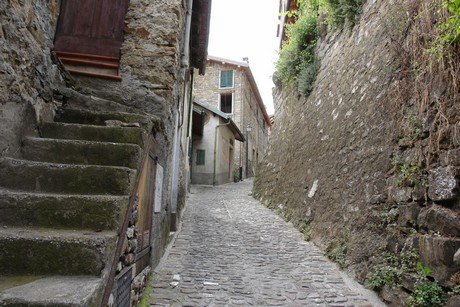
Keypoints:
(213, 152)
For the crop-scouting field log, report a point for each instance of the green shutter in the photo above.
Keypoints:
(200, 156)
(226, 78)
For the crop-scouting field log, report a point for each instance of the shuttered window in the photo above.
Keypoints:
(200, 156)
(226, 79)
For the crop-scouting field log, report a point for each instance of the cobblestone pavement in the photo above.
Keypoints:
(232, 251)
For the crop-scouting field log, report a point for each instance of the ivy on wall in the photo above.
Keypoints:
(297, 64)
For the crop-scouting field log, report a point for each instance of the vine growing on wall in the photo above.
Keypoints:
(297, 64)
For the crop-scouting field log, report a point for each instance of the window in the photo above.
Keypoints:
(200, 156)
(226, 79)
(226, 103)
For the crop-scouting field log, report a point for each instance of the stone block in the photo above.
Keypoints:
(401, 194)
(394, 296)
(457, 257)
(418, 193)
(397, 193)
(441, 220)
(450, 157)
(453, 301)
(408, 214)
(437, 253)
(442, 184)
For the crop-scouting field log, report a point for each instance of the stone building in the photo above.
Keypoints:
(230, 87)
(94, 114)
(213, 146)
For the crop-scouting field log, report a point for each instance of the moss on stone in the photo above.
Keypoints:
(7, 282)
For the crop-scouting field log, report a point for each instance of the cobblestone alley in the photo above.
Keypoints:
(232, 251)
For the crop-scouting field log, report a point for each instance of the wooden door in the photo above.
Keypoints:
(92, 27)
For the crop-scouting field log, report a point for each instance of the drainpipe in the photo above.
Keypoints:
(190, 102)
(186, 53)
(215, 151)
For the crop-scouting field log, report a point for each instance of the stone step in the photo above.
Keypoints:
(52, 291)
(81, 152)
(34, 251)
(130, 135)
(95, 212)
(42, 177)
(87, 117)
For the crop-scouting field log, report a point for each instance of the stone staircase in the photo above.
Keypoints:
(62, 204)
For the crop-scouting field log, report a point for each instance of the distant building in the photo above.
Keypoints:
(229, 87)
(213, 148)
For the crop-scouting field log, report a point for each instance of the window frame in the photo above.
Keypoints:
(233, 79)
(200, 157)
(220, 102)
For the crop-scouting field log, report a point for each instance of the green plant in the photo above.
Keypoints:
(305, 228)
(336, 252)
(426, 293)
(408, 260)
(389, 273)
(297, 57)
(408, 174)
(384, 275)
(450, 28)
(342, 12)
(455, 290)
(147, 292)
(415, 126)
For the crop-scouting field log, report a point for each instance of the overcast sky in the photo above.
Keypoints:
(247, 28)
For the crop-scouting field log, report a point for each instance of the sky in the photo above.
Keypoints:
(247, 28)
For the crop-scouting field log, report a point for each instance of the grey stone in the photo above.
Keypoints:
(437, 253)
(59, 291)
(440, 219)
(457, 257)
(408, 214)
(442, 184)
(232, 265)
(453, 301)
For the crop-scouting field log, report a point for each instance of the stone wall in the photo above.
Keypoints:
(28, 73)
(328, 157)
(340, 161)
(153, 83)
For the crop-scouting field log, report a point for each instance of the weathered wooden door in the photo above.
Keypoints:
(93, 27)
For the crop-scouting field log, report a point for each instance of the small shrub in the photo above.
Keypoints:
(305, 229)
(343, 12)
(391, 271)
(297, 58)
(409, 174)
(427, 293)
(450, 28)
(455, 290)
(384, 275)
(336, 252)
